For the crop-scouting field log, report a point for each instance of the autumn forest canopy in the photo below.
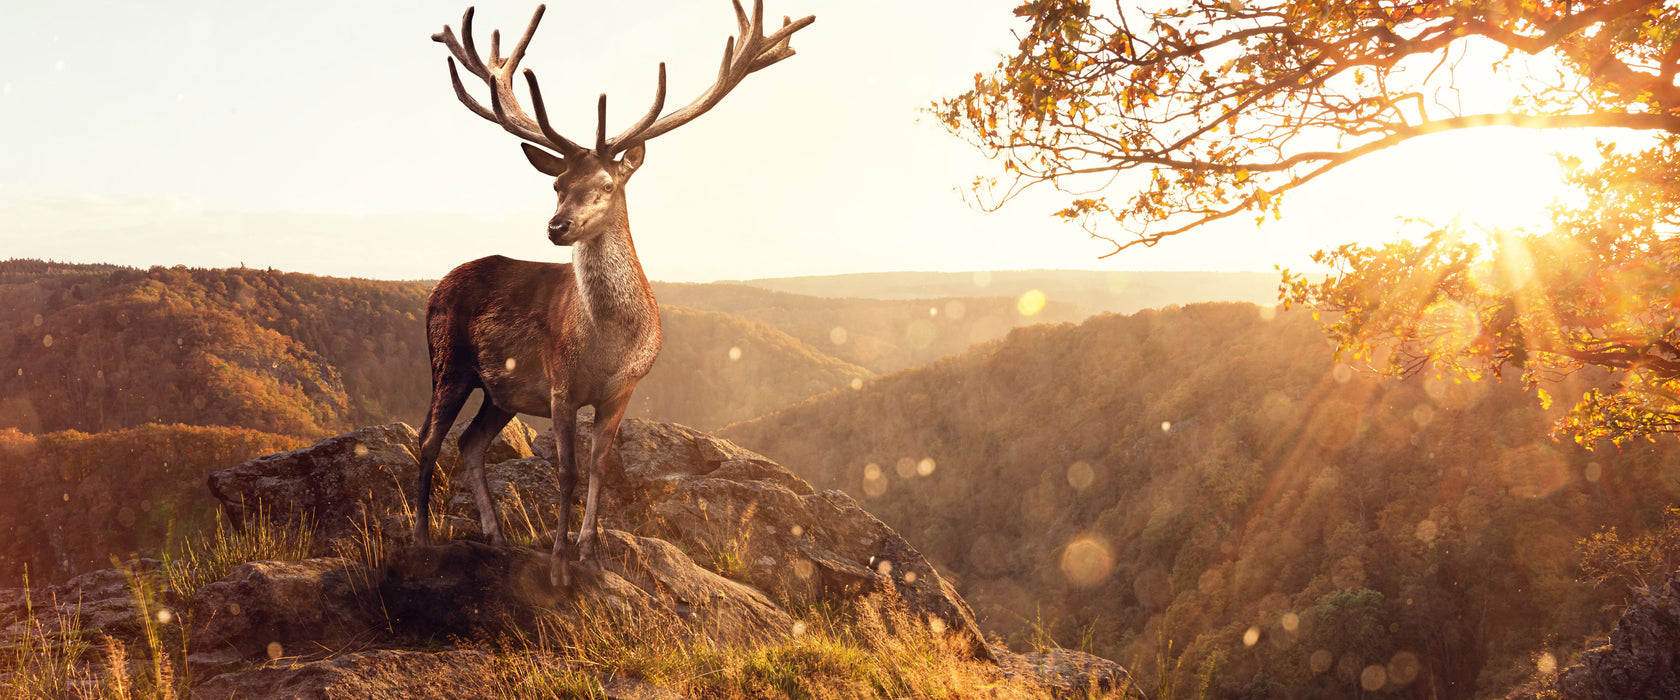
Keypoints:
(1156, 121)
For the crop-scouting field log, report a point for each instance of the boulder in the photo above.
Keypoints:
(751, 515)
(94, 603)
(1070, 674)
(1642, 659)
(274, 609)
(466, 589)
(349, 484)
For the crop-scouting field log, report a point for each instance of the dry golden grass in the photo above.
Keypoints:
(861, 654)
(62, 660)
(208, 558)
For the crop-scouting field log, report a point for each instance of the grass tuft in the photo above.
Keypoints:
(209, 558)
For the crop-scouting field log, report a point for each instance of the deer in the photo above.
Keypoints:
(547, 339)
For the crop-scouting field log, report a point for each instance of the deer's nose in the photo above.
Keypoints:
(557, 230)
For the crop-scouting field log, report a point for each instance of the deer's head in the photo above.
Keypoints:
(590, 181)
(590, 189)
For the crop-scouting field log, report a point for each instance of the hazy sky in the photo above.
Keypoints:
(323, 137)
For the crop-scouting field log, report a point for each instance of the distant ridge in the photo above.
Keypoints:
(1097, 290)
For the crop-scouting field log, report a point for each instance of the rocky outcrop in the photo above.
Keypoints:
(1069, 674)
(97, 602)
(472, 590)
(737, 512)
(1642, 659)
(275, 609)
(702, 540)
(755, 517)
(346, 484)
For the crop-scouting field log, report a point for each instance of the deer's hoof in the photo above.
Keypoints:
(560, 573)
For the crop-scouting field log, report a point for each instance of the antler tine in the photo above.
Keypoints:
(525, 39)
(757, 28)
(778, 48)
(468, 56)
(741, 18)
(622, 141)
(561, 143)
(601, 127)
(728, 59)
(466, 99)
(751, 52)
(498, 75)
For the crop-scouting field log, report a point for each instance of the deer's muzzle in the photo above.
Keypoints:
(559, 230)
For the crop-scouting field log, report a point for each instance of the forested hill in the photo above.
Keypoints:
(102, 347)
(98, 347)
(883, 335)
(1206, 474)
(1097, 290)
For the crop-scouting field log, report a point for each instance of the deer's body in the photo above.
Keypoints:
(547, 339)
(600, 337)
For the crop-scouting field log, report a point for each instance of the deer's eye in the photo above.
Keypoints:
(609, 188)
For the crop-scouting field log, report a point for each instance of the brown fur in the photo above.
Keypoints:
(544, 339)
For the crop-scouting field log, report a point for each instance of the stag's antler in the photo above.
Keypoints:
(753, 52)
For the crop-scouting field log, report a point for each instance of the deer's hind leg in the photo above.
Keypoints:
(475, 441)
(447, 399)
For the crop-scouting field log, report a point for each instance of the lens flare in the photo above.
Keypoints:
(1321, 660)
(1086, 561)
(1449, 326)
(1404, 668)
(1080, 475)
(1030, 303)
(1373, 678)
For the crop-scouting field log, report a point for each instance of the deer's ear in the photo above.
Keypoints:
(632, 159)
(548, 163)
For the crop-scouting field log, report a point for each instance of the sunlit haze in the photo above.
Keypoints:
(325, 138)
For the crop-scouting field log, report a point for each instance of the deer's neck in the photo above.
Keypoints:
(610, 279)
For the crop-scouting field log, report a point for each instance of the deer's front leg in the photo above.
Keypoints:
(602, 443)
(565, 480)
